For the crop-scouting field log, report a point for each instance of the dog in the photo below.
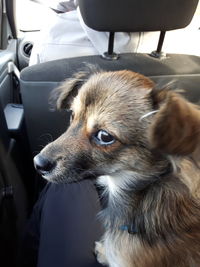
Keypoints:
(141, 144)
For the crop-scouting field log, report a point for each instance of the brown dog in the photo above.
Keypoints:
(141, 143)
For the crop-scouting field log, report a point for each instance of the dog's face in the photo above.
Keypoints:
(109, 133)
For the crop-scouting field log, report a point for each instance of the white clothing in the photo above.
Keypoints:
(66, 35)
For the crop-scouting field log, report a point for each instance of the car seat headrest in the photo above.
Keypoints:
(137, 15)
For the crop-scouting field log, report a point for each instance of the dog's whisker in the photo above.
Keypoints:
(147, 115)
(47, 138)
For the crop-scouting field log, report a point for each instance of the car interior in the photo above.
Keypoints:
(28, 122)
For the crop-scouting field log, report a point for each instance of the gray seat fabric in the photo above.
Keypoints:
(59, 70)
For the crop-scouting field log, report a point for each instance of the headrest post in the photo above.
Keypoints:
(111, 43)
(160, 42)
(158, 53)
(110, 55)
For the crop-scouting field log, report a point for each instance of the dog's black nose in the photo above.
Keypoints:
(42, 164)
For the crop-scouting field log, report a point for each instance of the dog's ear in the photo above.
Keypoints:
(175, 129)
(65, 94)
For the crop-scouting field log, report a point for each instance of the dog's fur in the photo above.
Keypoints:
(150, 175)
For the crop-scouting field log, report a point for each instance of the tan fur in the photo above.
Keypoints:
(176, 129)
(164, 205)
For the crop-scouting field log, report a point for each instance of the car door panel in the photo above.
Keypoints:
(6, 81)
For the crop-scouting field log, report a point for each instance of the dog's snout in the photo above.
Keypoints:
(42, 164)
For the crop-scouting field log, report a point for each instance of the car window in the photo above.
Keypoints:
(31, 15)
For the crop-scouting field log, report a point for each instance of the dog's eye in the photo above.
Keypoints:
(103, 138)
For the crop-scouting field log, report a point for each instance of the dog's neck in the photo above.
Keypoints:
(127, 185)
(125, 189)
(132, 207)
